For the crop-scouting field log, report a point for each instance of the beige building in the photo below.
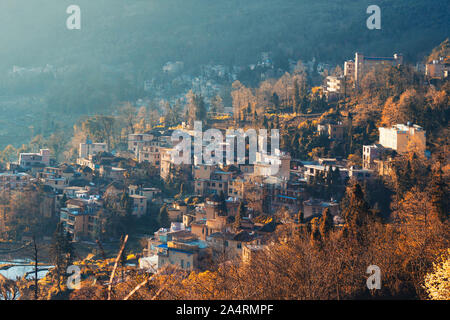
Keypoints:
(273, 165)
(203, 171)
(399, 136)
(80, 218)
(314, 207)
(231, 244)
(89, 148)
(249, 251)
(166, 161)
(349, 69)
(138, 140)
(437, 69)
(12, 181)
(236, 188)
(357, 69)
(335, 131)
(335, 84)
(150, 153)
(370, 154)
(139, 205)
(28, 160)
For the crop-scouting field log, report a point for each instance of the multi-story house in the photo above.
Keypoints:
(89, 148)
(314, 208)
(357, 69)
(399, 137)
(139, 140)
(53, 177)
(80, 219)
(437, 69)
(231, 244)
(14, 181)
(29, 160)
(150, 153)
(179, 248)
(278, 164)
(139, 205)
(334, 131)
(370, 154)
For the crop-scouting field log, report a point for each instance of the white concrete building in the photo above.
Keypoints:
(398, 137)
(335, 84)
(88, 148)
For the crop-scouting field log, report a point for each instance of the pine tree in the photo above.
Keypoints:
(265, 123)
(314, 229)
(300, 216)
(222, 204)
(237, 222)
(239, 216)
(126, 203)
(357, 212)
(439, 194)
(326, 223)
(61, 252)
(63, 200)
(163, 217)
(275, 100)
(296, 102)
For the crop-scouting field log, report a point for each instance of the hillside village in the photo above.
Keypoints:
(195, 215)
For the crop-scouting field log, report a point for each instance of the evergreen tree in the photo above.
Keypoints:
(163, 217)
(275, 101)
(296, 103)
(222, 204)
(356, 211)
(61, 252)
(300, 216)
(63, 200)
(239, 216)
(314, 229)
(265, 123)
(126, 203)
(439, 194)
(249, 109)
(237, 222)
(196, 109)
(326, 223)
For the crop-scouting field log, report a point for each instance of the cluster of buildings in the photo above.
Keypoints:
(219, 189)
(355, 70)
(76, 193)
(210, 222)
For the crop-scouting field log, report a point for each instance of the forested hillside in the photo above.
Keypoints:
(151, 32)
(123, 43)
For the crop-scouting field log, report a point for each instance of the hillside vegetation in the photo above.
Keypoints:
(148, 33)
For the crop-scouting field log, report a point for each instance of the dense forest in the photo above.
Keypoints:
(148, 33)
(121, 44)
